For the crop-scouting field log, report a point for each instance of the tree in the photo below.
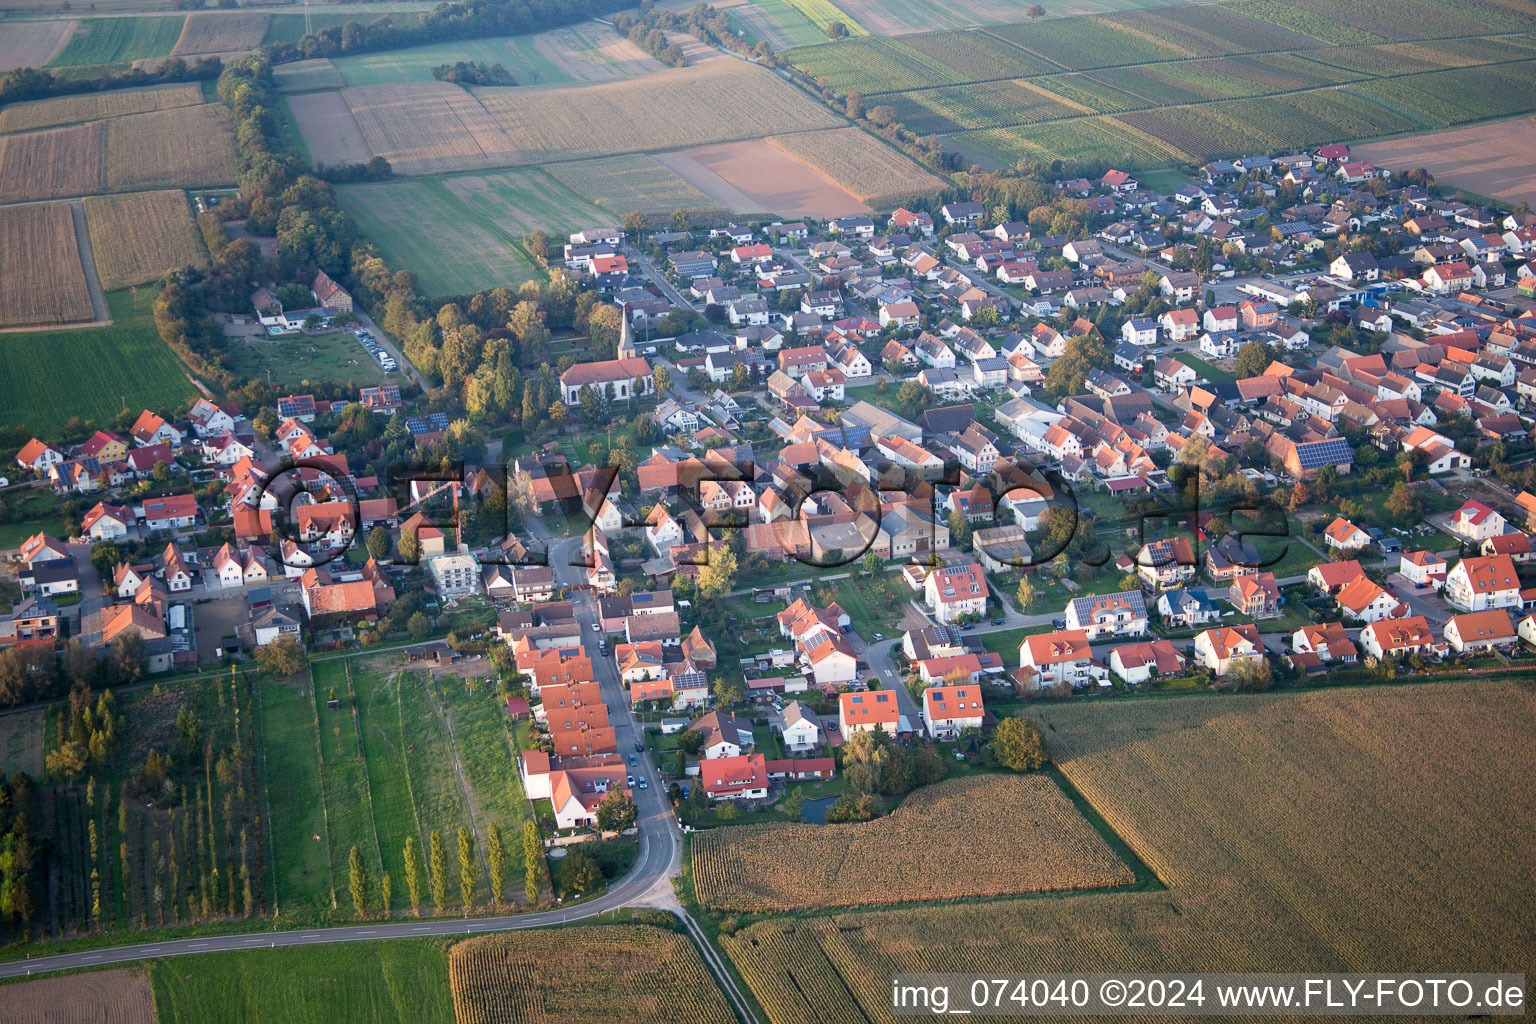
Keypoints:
(718, 575)
(467, 883)
(854, 105)
(582, 873)
(690, 742)
(1248, 675)
(663, 378)
(836, 30)
(873, 563)
(533, 861)
(496, 858)
(959, 531)
(1253, 359)
(727, 692)
(438, 863)
(284, 656)
(616, 812)
(793, 804)
(386, 892)
(1034, 12)
(128, 655)
(410, 547)
(1403, 504)
(1017, 745)
(68, 760)
(634, 223)
(413, 875)
(419, 626)
(379, 543)
(357, 882)
(1026, 593)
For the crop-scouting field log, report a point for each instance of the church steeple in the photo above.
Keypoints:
(626, 337)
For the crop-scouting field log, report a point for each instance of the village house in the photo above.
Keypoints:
(868, 711)
(1055, 659)
(1479, 584)
(1472, 632)
(1122, 614)
(1222, 648)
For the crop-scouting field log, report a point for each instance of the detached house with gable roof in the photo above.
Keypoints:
(1122, 614)
(948, 710)
(1478, 584)
(867, 711)
(1053, 659)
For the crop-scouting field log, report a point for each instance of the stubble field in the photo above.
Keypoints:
(329, 129)
(141, 236)
(53, 163)
(31, 44)
(41, 280)
(1491, 159)
(592, 974)
(620, 184)
(188, 147)
(119, 996)
(218, 32)
(968, 838)
(866, 167)
(428, 127)
(769, 178)
(1345, 830)
(94, 106)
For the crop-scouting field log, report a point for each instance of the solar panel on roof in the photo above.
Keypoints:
(1320, 453)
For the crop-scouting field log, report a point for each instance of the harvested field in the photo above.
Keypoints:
(426, 127)
(218, 32)
(716, 102)
(586, 52)
(620, 184)
(589, 52)
(190, 147)
(991, 835)
(861, 164)
(31, 44)
(758, 177)
(54, 163)
(452, 249)
(896, 17)
(307, 75)
(140, 236)
(41, 279)
(1490, 159)
(1333, 837)
(592, 974)
(329, 129)
(118, 40)
(122, 997)
(22, 117)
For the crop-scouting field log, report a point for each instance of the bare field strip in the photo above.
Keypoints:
(217, 32)
(861, 164)
(54, 163)
(25, 117)
(118, 996)
(423, 127)
(720, 101)
(191, 147)
(140, 236)
(992, 835)
(329, 129)
(708, 181)
(620, 184)
(31, 44)
(304, 75)
(589, 52)
(771, 179)
(41, 278)
(21, 741)
(1492, 159)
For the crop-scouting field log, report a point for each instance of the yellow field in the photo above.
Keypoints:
(424, 127)
(636, 182)
(138, 237)
(1343, 830)
(599, 974)
(860, 163)
(217, 32)
(990, 835)
(54, 163)
(192, 146)
(41, 280)
(94, 106)
(675, 109)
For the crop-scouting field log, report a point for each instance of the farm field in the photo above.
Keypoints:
(860, 163)
(778, 22)
(295, 359)
(48, 376)
(768, 178)
(1369, 21)
(1490, 159)
(429, 127)
(220, 32)
(21, 735)
(589, 974)
(1261, 876)
(53, 163)
(301, 877)
(141, 236)
(41, 279)
(400, 981)
(330, 131)
(116, 40)
(422, 226)
(71, 998)
(896, 17)
(620, 184)
(289, 28)
(983, 105)
(524, 201)
(22, 117)
(586, 52)
(308, 75)
(31, 44)
(190, 147)
(659, 112)
(977, 837)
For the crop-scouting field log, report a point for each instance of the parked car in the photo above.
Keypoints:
(639, 747)
(630, 781)
(643, 784)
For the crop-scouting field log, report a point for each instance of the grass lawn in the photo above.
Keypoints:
(1006, 641)
(291, 769)
(48, 376)
(1206, 370)
(429, 764)
(394, 817)
(464, 234)
(401, 980)
(299, 359)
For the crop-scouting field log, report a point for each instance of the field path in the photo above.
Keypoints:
(88, 262)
